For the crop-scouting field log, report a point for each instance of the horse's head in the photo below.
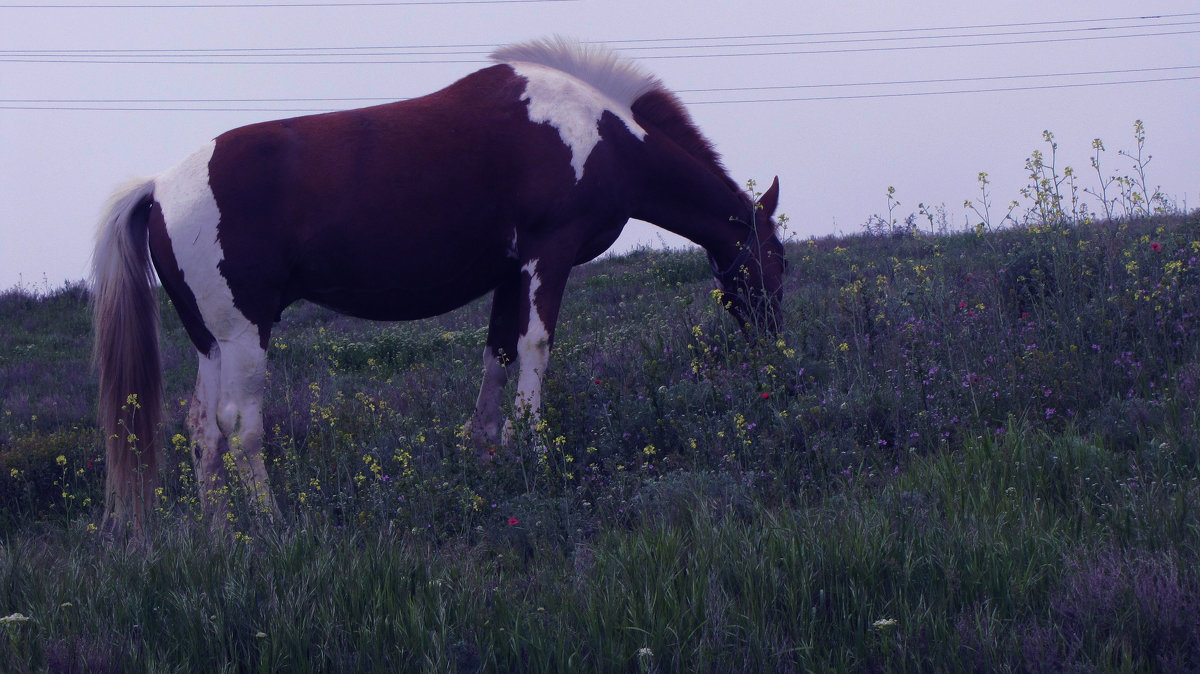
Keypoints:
(749, 272)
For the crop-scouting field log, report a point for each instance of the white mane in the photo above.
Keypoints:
(621, 80)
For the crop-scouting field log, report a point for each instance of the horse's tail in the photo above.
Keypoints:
(125, 322)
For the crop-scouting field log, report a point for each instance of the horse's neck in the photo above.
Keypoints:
(694, 203)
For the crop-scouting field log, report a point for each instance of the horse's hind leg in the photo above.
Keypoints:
(243, 366)
(208, 446)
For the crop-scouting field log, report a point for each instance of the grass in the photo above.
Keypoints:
(970, 451)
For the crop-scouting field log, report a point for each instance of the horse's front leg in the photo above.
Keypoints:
(524, 313)
(542, 284)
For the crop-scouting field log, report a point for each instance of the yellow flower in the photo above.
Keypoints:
(61, 460)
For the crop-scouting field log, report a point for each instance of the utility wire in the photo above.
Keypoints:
(161, 105)
(1006, 33)
(369, 99)
(916, 30)
(483, 49)
(906, 94)
(268, 5)
(738, 43)
(851, 50)
(243, 57)
(942, 80)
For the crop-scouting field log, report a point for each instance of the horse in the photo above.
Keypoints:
(500, 182)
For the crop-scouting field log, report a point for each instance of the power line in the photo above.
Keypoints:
(1006, 33)
(923, 29)
(254, 57)
(735, 45)
(918, 47)
(905, 94)
(268, 5)
(729, 41)
(369, 99)
(943, 80)
(788, 39)
(161, 105)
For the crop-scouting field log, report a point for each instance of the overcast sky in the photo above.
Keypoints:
(836, 148)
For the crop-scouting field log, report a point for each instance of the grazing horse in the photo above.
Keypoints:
(499, 183)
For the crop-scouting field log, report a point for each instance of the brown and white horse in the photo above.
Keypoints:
(500, 182)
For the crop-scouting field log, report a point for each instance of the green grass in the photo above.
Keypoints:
(968, 452)
(994, 557)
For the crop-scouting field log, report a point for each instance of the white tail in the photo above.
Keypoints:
(125, 323)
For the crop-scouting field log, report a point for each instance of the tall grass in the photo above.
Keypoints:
(971, 451)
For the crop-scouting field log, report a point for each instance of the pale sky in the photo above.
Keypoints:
(836, 152)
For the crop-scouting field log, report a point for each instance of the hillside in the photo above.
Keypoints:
(970, 451)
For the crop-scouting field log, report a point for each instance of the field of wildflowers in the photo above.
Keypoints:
(966, 451)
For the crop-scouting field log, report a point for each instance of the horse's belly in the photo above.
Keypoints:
(405, 284)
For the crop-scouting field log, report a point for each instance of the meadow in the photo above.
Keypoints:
(969, 449)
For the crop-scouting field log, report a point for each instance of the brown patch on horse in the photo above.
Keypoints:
(382, 173)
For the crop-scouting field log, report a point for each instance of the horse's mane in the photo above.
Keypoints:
(621, 80)
(651, 103)
(663, 110)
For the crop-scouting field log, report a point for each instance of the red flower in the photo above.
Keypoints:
(962, 305)
(1155, 247)
(512, 521)
(597, 381)
(765, 395)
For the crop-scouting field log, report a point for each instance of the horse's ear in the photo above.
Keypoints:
(770, 200)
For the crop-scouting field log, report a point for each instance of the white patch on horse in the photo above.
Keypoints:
(191, 215)
(533, 350)
(230, 382)
(573, 107)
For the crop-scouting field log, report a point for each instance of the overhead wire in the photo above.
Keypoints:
(452, 54)
(177, 104)
(265, 5)
(650, 43)
(904, 94)
(732, 44)
(876, 31)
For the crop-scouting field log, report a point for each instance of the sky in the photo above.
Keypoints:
(841, 100)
